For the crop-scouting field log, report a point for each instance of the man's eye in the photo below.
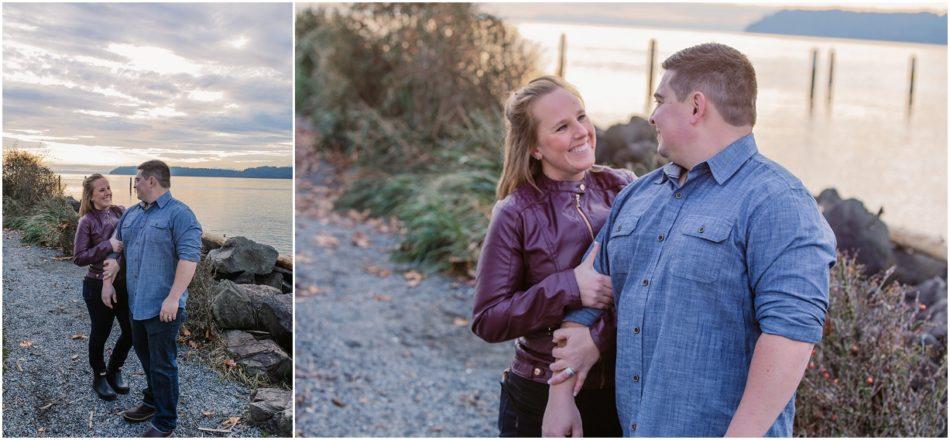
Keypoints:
(561, 128)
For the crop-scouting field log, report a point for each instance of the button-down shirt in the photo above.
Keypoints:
(155, 238)
(699, 272)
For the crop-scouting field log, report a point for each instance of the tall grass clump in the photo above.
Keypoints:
(412, 95)
(33, 202)
(871, 376)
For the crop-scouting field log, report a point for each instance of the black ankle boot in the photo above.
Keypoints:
(102, 387)
(114, 377)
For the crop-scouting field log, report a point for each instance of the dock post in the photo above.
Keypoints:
(831, 74)
(913, 79)
(814, 71)
(651, 62)
(562, 50)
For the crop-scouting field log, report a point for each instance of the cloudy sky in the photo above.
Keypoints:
(93, 86)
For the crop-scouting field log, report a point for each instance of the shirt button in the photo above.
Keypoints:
(636, 330)
(660, 238)
(537, 371)
(633, 427)
(646, 282)
(702, 229)
(636, 378)
(678, 195)
(581, 187)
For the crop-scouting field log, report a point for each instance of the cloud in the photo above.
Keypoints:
(205, 84)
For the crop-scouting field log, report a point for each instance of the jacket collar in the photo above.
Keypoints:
(545, 183)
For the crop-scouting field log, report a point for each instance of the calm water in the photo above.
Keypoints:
(865, 144)
(259, 209)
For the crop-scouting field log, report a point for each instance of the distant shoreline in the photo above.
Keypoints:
(249, 173)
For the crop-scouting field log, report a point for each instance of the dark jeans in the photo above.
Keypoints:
(156, 348)
(102, 317)
(522, 408)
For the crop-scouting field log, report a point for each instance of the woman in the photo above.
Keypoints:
(106, 299)
(552, 202)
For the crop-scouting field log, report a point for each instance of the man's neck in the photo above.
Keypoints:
(712, 145)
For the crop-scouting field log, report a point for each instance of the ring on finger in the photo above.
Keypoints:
(570, 372)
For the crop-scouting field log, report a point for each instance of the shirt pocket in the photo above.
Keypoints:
(158, 231)
(703, 251)
(621, 245)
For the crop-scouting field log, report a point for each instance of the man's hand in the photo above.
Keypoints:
(110, 268)
(561, 417)
(116, 244)
(576, 350)
(108, 293)
(169, 309)
(596, 290)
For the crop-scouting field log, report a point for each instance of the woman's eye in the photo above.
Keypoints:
(581, 117)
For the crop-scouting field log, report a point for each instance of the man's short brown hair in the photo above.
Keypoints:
(720, 72)
(159, 170)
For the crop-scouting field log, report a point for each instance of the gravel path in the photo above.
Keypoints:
(376, 356)
(46, 376)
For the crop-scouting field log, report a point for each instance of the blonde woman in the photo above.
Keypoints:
(98, 219)
(552, 202)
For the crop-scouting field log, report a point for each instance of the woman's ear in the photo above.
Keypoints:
(536, 153)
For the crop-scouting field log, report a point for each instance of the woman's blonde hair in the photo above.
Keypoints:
(85, 205)
(519, 167)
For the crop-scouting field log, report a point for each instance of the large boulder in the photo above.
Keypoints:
(916, 267)
(273, 279)
(932, 297)
(254, 307)
(262, 358)
(861, 234)
(632, 145)
(242, 255)
(271, 410)
(73, 203)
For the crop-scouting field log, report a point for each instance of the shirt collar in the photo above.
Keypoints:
(161, 201)
(725, 163)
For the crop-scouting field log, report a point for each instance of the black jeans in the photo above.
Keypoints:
(157, 349)
(102, 317)
(521, 409)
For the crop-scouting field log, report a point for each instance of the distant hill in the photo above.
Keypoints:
(254, 173)
(923, 27)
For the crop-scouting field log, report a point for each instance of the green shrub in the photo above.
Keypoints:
(413, 93)
(870, 377)
(201, 326)
(51, 223)
(27, 181)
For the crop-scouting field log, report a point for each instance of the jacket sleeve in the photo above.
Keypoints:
(504, 307)
(84, 252)
(604, 331)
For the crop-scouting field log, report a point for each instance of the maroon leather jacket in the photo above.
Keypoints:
(525, 285)
(91, 246)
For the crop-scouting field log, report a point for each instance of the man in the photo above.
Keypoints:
(720, 266)
(162, 245)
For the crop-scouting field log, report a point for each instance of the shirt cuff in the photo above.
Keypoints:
(585, 316)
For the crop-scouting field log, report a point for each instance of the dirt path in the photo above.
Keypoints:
(46, 376)
(377, 353)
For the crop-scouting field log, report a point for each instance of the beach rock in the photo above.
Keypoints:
(72, 203)
(263, 358)
(915, 267)
(929, 292)
(631, 145)
(271, 410)
(932, 297)
(209, 244)
(254, 307)
(827, 199)
(861, 234)
(273, 279)
(242, 255)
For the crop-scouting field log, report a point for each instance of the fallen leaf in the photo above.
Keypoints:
(338, 402)
(382, 298)
(207, 413)
(360, 239)
(230, 363)
(26, 343)
(78, 336)
(326, 240)
(41, 429)
(459, 321)
(74, 357)
(413, 278)
(309, 291)
(185, 332)
(381, 272)
(230, 422)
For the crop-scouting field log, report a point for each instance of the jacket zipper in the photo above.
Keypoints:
(577, 200)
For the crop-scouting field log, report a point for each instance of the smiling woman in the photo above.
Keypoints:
(90, 89)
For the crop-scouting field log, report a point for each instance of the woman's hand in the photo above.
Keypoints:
(110, 268)
(116, 245)
(108, 293)
(575, 349)
(596, 290)
(561, 417)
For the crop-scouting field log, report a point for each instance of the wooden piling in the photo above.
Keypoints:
(913, 78)
(130, 186)
(562, 50)
(814, 71)
(651, 62)
(831, 74)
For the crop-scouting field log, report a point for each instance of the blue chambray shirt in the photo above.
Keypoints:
(154, 240)
(699, 272)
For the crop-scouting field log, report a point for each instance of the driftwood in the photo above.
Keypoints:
(930, 246)
(283, 261)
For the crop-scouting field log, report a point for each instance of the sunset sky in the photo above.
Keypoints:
(94, 86)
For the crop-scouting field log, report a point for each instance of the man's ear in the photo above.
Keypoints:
(698, 102)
